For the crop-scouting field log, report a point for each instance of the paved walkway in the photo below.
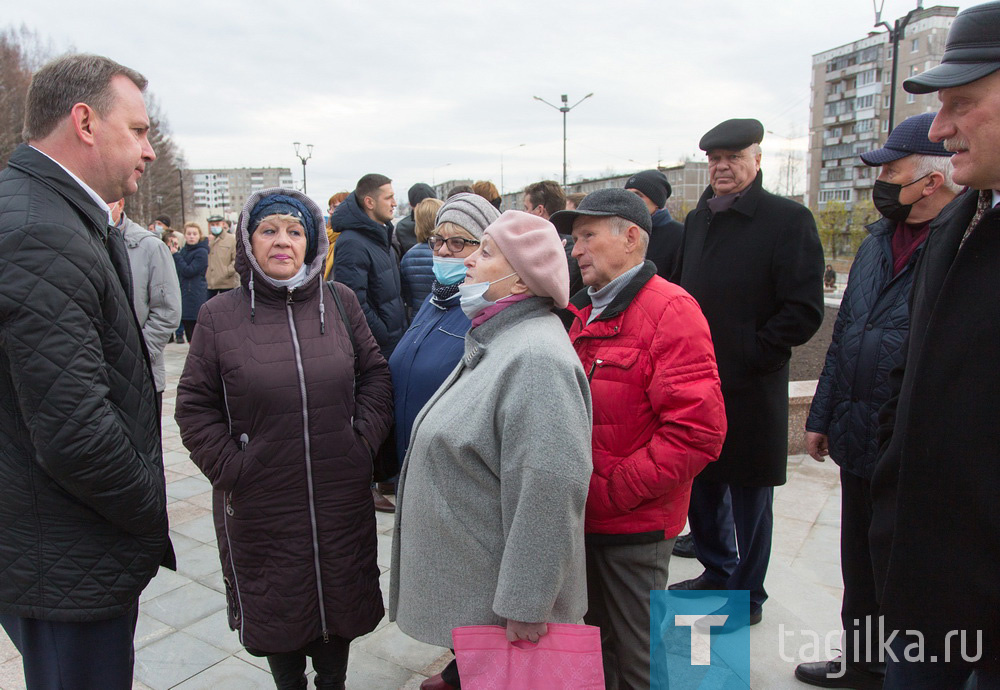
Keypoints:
(183, 641)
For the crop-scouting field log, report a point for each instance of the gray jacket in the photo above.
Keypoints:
(491, 497)
(156, 293)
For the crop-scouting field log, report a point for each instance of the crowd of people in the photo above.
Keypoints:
(551, 393)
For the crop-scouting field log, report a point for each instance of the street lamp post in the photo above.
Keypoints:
(309, 154)
(501, 165)
(895, 32)
(564, 109)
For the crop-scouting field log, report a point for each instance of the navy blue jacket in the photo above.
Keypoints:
(426, 354)
(364, 261)
(868, 338)
(665, 243)
(416, 271)
(192, 262)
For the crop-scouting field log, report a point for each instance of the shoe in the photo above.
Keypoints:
(698, 583)
(436, 682)
(826, 674)
(382, 504)
(386, 488)
(172, 338)
(737, 619)
(684, 546)
(180, 339)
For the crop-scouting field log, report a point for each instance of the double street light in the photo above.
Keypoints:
(564, 109)
(309, 154)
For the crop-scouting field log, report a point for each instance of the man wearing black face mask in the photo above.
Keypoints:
(913, 186)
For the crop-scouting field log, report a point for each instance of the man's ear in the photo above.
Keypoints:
(633, 237)
(84, 121)
(368, 203)
(934, 182)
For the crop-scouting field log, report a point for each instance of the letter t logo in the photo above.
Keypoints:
(701, 638)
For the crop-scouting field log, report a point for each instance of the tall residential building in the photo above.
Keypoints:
(849, 111)
(223, 191)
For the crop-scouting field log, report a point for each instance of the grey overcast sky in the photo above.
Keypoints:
(432, 90)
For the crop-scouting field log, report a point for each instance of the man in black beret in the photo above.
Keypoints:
(665, 241)
(935, 534)
(754, 263)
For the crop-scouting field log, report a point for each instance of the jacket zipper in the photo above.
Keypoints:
(228, 495)
(590, 374)
(308, 458)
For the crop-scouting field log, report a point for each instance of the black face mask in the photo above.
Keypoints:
(885, 196)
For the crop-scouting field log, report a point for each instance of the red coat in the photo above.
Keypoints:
(659, 417)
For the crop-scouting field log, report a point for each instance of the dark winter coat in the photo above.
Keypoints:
(192, 262)
(83, 519)
(757, 272)
(266, 405)
(665, 243)
(366, 263)
(935, 534)
(425, 355)
(406, 234)
(416, 274)
(659, 417)
(867, 344)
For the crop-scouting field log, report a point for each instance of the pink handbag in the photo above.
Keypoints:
(568, 656)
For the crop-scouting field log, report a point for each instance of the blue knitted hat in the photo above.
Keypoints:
(283, 204)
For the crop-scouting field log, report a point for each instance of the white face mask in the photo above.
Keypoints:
(472, 297)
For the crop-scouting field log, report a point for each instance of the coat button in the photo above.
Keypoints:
(869, 326)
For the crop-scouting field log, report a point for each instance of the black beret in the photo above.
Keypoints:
(733, 135)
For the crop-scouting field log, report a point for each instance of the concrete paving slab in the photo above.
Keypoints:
(199, 562)
(149, 630)
(174, 659)
(391, 644)
(366, 671)
(215, 630)
(187, 487)
(202, 529)
(229, 674)
(164, 581)
(185, 605)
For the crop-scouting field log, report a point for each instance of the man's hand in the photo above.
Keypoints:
(817, 445)
(525, 631)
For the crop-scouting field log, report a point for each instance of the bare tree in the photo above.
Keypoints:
(160, 187)
(21, 53)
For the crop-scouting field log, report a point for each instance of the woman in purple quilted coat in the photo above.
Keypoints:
(281, 411)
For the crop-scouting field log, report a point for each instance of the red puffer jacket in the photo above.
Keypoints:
(658, 411)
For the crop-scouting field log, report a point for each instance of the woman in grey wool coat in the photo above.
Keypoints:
(490, 506)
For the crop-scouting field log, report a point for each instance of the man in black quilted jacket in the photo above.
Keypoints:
(83, 524)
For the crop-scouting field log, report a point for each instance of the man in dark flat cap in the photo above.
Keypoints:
(754, 263)
(935, 534)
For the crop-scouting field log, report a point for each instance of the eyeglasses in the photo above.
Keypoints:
(455, 244)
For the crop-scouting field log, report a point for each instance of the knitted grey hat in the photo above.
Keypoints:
(469, 211)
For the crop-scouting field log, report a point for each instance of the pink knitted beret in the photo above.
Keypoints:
(534, 249)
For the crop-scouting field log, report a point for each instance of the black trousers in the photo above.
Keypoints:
(59, 655)
(188, 326)
(329, 660)
(859, 611)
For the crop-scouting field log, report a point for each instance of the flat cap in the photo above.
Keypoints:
(733, 135)
(907, 138)
(971, 52)
(606, 202)
(216, 219)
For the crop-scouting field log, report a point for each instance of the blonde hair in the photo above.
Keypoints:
(201, 233)
(423, 217)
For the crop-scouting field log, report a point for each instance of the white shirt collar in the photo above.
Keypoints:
(996, 197)
(93, 195)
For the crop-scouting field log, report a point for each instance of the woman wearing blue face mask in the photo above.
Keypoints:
(432, 346)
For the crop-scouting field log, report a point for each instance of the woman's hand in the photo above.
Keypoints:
(531, 632)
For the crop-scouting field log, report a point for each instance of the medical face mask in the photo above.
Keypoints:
(449, 270)
(885, 197)
(472, 298)
(215, 229)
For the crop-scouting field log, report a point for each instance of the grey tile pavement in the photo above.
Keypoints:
(183, 640)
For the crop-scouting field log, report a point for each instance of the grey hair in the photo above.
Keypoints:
(66, 81)
(619, 225)
(925, 165)
(755, 150)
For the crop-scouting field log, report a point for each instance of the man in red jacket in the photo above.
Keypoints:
(659, 418)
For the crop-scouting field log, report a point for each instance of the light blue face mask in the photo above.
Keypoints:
(472, 299)
(449, 270)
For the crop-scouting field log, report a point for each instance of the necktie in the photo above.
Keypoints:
(984, 205)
